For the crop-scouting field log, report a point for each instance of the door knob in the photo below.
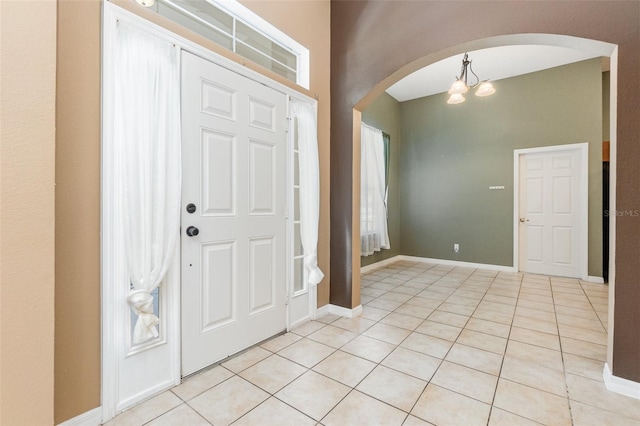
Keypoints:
(523, 220)
(192, 231)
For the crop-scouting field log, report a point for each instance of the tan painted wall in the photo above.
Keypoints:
(77, 331)
(27, 158)
(77, 299)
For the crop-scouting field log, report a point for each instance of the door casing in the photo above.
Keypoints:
(583, 148)
(114, 334)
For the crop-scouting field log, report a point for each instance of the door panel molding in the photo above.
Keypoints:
(583, 197)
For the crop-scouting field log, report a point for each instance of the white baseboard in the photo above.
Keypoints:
(620, 385)
(345, 312)
(89, 418)
(499, 268)
(378, 265)
(321, 311)
(447, 262)
(339, 310)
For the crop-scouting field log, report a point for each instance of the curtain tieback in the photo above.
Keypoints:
(315, 274)
(141, 302)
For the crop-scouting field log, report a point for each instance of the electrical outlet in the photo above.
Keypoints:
(456, 247)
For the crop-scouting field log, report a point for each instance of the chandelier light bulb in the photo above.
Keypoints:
(455, 98)
(458, 87)
(485, 89)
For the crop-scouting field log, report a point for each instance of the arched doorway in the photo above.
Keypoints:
(598, 48)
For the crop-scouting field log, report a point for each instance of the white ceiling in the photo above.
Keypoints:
(493, 64)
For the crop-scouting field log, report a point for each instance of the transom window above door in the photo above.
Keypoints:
(233, 26)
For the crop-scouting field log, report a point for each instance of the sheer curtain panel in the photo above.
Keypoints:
(147, 140)
(373, 211)
(309, 170)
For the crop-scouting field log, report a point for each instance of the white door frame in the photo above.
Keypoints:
(583, 227)
(113, 264)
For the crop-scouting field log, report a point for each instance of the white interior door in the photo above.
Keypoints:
(234, 181)
(551, 235)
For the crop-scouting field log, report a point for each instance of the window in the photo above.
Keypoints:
(374, 235)
(236, 28)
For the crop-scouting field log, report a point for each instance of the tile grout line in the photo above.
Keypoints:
(427, 382)
(564, 368)
(592, 307)
(398, 345)
(495, 392)
(449, 350)
(377, 364)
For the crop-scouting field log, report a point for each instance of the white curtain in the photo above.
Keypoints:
(147, 140)
(373, 211)
(309, 170)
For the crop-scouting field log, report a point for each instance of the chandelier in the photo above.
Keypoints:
(461, 85)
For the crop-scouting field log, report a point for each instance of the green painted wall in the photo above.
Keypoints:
(384, 114)
(451, 154)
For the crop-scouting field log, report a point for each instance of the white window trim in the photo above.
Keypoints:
(238, 12)
(260, 24)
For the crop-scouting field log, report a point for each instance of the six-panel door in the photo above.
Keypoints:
(234, 172)
(550, 213)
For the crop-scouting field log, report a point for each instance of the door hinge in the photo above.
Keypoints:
(286, 300)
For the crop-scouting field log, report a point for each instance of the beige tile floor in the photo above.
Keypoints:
(434, 345)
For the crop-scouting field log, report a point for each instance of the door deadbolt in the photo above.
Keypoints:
(191, 208)
(192, 231)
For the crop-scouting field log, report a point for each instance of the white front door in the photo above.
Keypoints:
(551, 235)
(233, 212)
